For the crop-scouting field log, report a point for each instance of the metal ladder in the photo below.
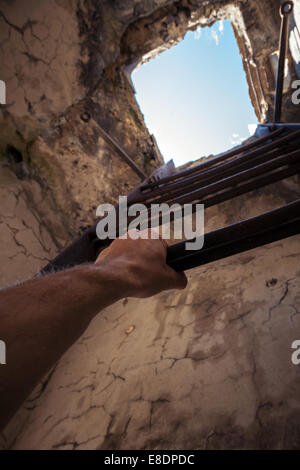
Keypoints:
(269, 159)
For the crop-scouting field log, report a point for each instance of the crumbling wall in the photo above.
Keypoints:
(67, 67)
(53, 61)
(209, 367)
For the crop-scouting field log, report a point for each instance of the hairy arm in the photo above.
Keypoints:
(41, 318)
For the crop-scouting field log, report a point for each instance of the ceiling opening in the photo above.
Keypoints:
(195, 96)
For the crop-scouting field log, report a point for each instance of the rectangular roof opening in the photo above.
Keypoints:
(195, 96)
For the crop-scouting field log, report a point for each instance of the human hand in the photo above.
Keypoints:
(140, 264)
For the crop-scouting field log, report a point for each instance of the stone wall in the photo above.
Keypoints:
(67, 67)
(208, 367)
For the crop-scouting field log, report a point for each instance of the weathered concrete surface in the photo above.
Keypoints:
(209, 367)
(66, 66)
(206, 368)
(59, 90)
(32, 231)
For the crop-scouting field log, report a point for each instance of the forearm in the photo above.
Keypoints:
(41, 318)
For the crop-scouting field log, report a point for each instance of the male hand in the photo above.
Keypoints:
(140, 264)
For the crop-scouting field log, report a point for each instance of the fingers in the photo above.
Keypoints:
(178, 280)
(150, 233)
(142, 259)
(182, 280)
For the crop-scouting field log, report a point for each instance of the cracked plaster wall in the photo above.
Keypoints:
(209, 367)
(206, 368)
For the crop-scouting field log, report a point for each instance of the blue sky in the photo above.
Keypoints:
(195, 97)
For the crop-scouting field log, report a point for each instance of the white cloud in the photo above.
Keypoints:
(252, 128)
(236, 139)
(215, 36)
(213, 32)
(198, 32)
(217, 31)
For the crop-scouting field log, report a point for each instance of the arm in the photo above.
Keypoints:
(41, 318)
